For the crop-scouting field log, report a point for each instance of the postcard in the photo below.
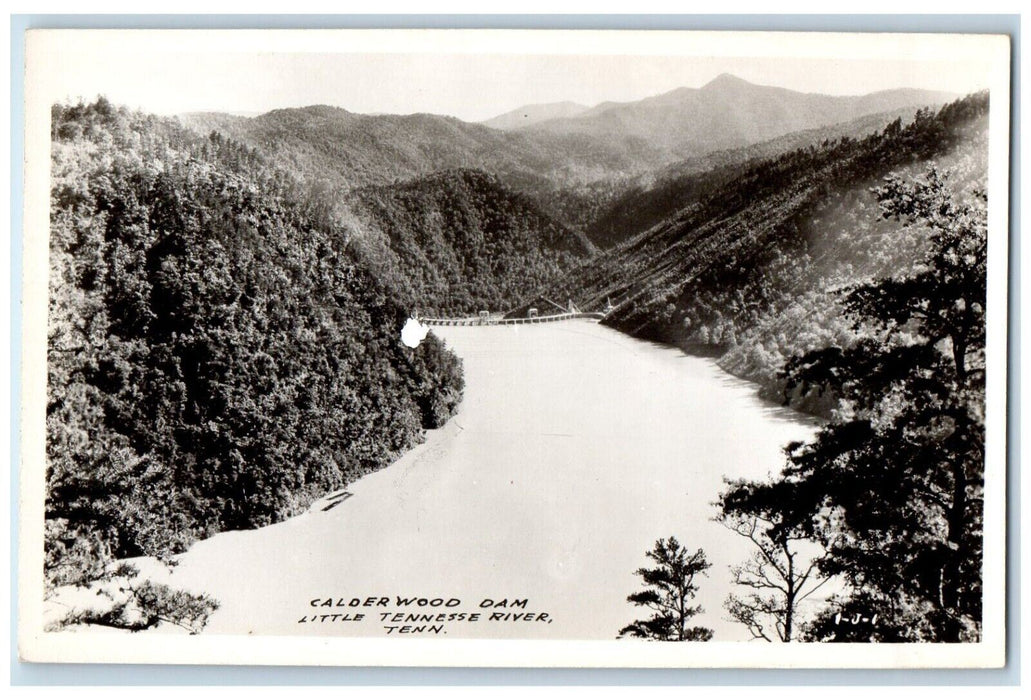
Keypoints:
(514, 348)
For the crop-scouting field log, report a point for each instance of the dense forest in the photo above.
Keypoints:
(747, 271)
(459, 241)
(218, 357)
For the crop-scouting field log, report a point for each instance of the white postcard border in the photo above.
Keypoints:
(35, 645)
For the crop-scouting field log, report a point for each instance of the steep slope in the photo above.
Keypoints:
(652, 198)
(728, 112)
(459, 241)
(347, 150)
(217, 357)
(748, 271)
(528, 115)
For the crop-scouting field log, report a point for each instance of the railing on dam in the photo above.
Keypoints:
(495, 321)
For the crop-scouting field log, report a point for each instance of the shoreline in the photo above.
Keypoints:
(544, 466)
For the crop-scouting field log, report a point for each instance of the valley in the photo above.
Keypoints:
(236, 425)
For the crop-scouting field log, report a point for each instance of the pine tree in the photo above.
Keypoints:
(669, 588)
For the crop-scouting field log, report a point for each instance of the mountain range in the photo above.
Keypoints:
(347, 150)
(563, 143)
(727, 112)
(694, 197)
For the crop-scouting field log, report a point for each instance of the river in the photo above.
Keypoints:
(575, 448)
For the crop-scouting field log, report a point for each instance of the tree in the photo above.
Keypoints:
(892, 487)
(669, 588)
(783, 570)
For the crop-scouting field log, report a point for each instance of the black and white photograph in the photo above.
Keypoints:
(500, 347)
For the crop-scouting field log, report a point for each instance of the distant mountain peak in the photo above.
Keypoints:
(725, 80)
(728, 112)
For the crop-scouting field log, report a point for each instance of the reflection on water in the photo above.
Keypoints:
(575, 448)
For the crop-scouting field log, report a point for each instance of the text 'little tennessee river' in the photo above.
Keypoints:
(418, 615)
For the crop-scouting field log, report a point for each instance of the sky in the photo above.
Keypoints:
(473, 75)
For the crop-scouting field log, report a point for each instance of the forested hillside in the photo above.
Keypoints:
(747, 272)
(346, 150)
(459, 241)
(656, 196)
(217, 357)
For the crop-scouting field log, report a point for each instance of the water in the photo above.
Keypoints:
(575, 448)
